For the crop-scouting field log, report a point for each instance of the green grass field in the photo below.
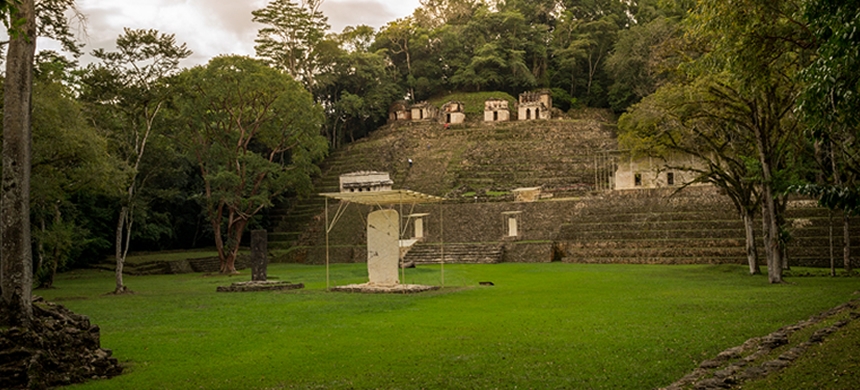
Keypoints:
(541, 326)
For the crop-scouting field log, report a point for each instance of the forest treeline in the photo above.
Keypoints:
(134, 152)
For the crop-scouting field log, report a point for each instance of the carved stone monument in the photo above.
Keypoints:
(259, 260)
(383, 251)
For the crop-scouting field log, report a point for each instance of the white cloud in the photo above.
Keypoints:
(214, 27)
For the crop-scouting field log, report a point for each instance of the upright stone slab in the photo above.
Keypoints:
(259, 261)
(383, 249)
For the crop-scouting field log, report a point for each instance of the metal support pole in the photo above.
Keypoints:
(442, 240)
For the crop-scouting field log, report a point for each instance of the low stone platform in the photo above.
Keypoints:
(377, 289)
(268, 285)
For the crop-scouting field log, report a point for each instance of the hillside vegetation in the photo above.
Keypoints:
(473, 102)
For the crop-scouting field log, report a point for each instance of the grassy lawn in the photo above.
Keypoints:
(541, 326)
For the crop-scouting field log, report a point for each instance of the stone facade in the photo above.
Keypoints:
(534, 105)
(365, 181)
(650, 172)
(496, 110)
(399, 111)
(453, 112)
(424, 111)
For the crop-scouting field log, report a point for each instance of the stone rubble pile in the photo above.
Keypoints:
(744, 363)
(60, 348)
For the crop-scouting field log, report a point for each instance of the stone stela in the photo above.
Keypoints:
(383, 250)
(383, 229)
(259, 260)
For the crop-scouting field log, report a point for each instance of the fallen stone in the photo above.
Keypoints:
(774, 340)
(712, 383)
(777, 364)
(820, 334)
(753, 373)
(731, 353)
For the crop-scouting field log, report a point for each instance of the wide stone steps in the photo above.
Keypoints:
(707, 252)
(649, 226)
(638, 228)
(657, 260)
(455, 253)
(634, 233)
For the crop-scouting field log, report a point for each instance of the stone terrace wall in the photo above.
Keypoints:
(463, 223)
(696, 226)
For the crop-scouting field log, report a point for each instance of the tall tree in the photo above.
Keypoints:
(127, 92)
(498, 60)
(829, 104)
(16, 258)
(254, 133)
(291, 37)
(398, 37)
(70, 159)
(639, 62)
(760, 48)
(689, 122)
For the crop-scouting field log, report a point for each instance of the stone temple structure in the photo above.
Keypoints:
(365, 181)
(496, 110)
(453, 112)
(534, 105)
(399, 111)
(424, 111)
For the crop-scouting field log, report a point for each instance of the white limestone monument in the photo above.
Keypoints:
(383, 251)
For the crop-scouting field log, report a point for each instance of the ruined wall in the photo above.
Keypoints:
(651, 172)
(463, 223)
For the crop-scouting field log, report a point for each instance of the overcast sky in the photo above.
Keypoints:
(213, 27)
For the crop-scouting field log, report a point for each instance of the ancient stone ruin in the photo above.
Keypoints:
(453, 112)
(424, 111)
(365, 181)
(496, 110)
(534, 105)
(399, 111)
(60, 348)
(650, 172)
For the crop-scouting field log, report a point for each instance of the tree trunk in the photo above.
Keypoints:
(832, 258)
(219, 243)
(846, 242)
(772, 247)
(120, 254)
(752, 253)
(16, 263)
(56, 253)
(234, 239)
(770, 220)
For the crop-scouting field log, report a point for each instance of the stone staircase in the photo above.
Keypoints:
(697, 228)
(455, 253)
(289, 220)
(556, 155)
(474, 157)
